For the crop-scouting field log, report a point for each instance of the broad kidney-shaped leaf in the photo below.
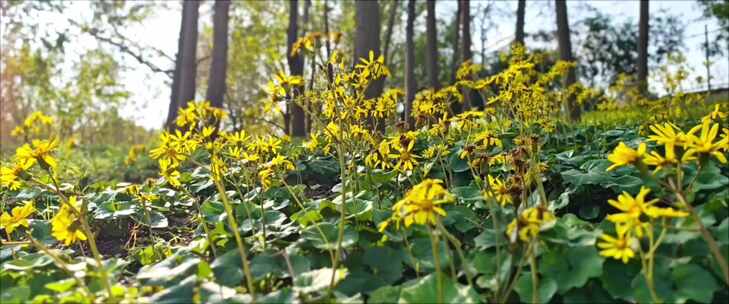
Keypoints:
(425, 290)
(317, 280)
(693, 282)
(571, 267)
(329, 238)
(547, 288)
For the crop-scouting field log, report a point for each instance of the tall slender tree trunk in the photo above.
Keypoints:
(327, 43)
(306, 27)
(218, 68)
(456, 42)
(410, 82)
(643, 28)
(470, 96)
(456, 107)
(431, 54)
(297, 125)
(565, 53)
(175, 88)
(390, 26)
(520, 12)
(367, 37)
(188, 69)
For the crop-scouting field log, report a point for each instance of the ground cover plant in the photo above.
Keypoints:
(504, 203)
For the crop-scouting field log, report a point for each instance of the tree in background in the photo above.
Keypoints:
(520, 12)
(410, 82)
(367, 38)
(186, 62)
(565, 53)
(643, 47)
(390, 26)
(431, 54)
(219, 66)
(296, 126)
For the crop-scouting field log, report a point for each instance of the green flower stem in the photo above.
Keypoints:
(436, 260)
(316, 226)
(202, 221)
(90, 239)
(510, 286)
(457, 244)
(535, 274)
(239, 242)
(61, 264)
(340, 234)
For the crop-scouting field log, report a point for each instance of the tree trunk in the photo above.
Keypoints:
(367, 38)
(431, 54)
(330, 71)
(219, 66)
(469, 96)
(410, 83)
(175, 88)
(456, 42)
(520, 11)
(188, 68)
(565, 53)
(297, 125)
(390, 26)
(306, 27)
(643, 27)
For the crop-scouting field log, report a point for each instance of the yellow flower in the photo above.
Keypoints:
(406, 160)
(528, 224)
(265, 177)
(10, 176)
(39, 152)
(624, 155)
(18, 217)
(65, 226)
(667, 134)
(421, 205)
(619, 248)
(631, 207)
(498, 191)
(655, 159)
(704, 143)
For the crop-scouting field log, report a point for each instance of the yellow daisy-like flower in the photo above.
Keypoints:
(17, 217)
(39, 152)
(619, 248)
(528, 224)
(421, 205)
(10, 176)
(667, 134)
(65, 226)
(704, 143)
(265, 177)
(631, 207)
(406, 159)
(624, 155)
(498, 191)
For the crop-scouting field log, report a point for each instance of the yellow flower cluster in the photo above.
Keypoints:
(26, 156)
(33, 125)
(498, 192)
(17, 217)
(630, 223)
(65, 225)
(529, 223)
(395, 153)
(701, 140)
(421, 205)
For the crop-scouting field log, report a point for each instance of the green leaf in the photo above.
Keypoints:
(467, 193)
(386, 294)
(15, 294)
(41, 231)
(547, 287)
(617, 277)
(228, 269)
(317, 280)
(425, 290)
(456, 163)
(27, 262)
(710, 178)
(571, 266)
(329, 238)
(62, 285)
(489, 238)
(285, 295)
(693, 282)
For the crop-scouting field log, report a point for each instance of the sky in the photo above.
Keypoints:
(149, 98)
